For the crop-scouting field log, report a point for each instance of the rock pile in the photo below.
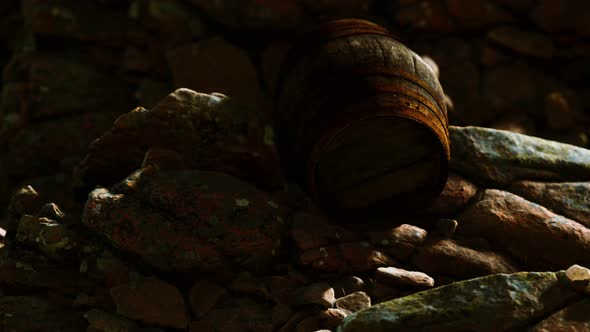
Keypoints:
(170, 246)
(181, 219)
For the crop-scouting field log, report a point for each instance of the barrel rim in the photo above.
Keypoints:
(328, 137)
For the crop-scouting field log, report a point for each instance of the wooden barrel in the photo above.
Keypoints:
(360, 118)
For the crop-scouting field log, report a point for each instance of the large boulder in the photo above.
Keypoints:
(498, 302)
(498, 158)
(208, 131)
(179, 220)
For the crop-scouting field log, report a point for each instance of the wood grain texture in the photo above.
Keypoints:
(360, 118)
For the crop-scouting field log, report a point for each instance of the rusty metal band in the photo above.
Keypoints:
(329, 136)
(325, 77)
(401, 73)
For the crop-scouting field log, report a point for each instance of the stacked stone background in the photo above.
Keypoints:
(190, 228)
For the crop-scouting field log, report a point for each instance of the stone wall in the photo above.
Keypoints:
(70, 67)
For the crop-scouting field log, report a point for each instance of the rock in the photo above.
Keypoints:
(252, 15)
(512, 88)
(508, 221)
(312, 231)
(425, 15)
(245, 283)
(105, 322)
(31, 152)
(520, 5)
(461, 78)
(31, 313)
(209, 132)
(332, 317)
(517, 123)
(82, 21)
(561, 16)
(399, 242)
(177, 22)
(334, 9)
(152, 301)
(51, 211)
(283, 288)
(204, 295)
(474, 305)
(188, 219)
(25, 200)
(354, 302)
(569, 199)
(400, 277)
(320, 294)
(500, 157)
(308, 324)
(163, 159)
(52, 238)
(348, 285)
(477, 14)
(446, 227)
(79, 88)
(457, 192)
(559, 110)
(240, 314)
(579, 277)
(352, 257)
(280, 315)
(450, 258)
(523, 42)
(574, 318)
(215, 65)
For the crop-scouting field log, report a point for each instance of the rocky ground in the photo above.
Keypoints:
(176, 215)
(179, 243)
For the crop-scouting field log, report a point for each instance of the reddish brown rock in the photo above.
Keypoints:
(215, 65)
(354, 302)
(346, 258)
(152, 301)
(312, 231)
(530, 232)
(574, 318)
(523, 42)
(204, 295)
(457, 192)
(400, 277)
(569, 199)
(188, 219)
(451, 258)
(208, 131)
(399, 242)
